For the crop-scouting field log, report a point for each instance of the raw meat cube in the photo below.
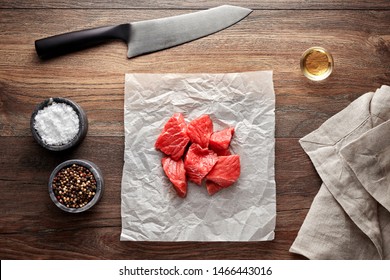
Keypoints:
(200, 130)
(223, 152)
(173, 139)
(198, 162)
(212, 187)
(220, 140)
(226, 171)
(176, 174)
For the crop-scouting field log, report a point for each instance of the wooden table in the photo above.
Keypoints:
(273, 37)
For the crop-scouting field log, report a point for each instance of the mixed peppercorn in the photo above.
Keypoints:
(74, 186)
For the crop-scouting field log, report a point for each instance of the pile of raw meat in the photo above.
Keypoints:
(196, 153)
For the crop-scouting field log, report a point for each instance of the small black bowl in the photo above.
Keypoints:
(83, 124)
(99, 184)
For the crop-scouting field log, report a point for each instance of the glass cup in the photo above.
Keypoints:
(316, 63)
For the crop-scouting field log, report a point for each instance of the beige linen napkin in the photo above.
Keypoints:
(350, 216)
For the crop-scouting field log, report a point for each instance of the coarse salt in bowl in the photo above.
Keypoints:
(76, 185)
(58, 124)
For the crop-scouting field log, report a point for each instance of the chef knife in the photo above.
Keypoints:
(146, 36)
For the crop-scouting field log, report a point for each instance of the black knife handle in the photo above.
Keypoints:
(78, 40)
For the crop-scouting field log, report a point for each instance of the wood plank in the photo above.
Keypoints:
(171, 4)
(32, 226)
(359, 41)
(272, 37)
(102, 244)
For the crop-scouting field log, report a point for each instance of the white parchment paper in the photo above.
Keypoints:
(150, 208)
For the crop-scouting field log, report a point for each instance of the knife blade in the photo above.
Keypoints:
(145, 36)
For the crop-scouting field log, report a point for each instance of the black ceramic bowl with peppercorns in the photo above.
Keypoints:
(76, 185)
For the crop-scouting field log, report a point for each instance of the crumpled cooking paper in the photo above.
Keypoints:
(150, 208)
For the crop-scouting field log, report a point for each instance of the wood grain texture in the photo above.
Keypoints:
(358, 40)
(173, 4)
(32, 227)
(272, 37)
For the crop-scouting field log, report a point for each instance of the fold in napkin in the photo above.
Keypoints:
(350, 216)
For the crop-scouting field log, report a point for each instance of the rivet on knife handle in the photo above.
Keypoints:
(78, 40)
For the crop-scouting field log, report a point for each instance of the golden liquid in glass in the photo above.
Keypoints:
(316, 63)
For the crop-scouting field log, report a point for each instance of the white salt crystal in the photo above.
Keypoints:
(57, 124)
